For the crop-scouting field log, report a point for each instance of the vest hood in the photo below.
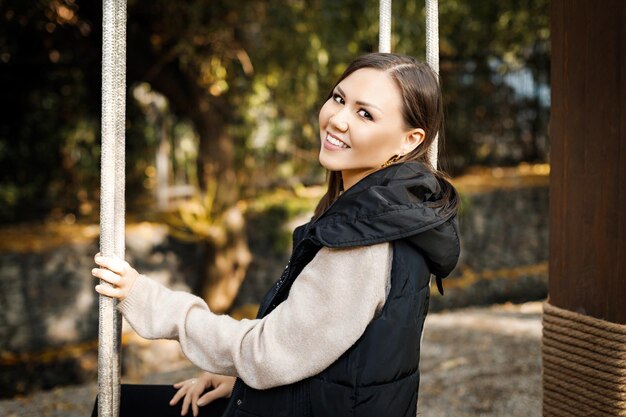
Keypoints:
(394, 203)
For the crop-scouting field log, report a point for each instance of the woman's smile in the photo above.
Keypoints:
(333, 142)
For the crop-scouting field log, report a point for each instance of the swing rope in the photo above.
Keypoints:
(432, 48)
(112, 205)
(384, 30)
(432, 59)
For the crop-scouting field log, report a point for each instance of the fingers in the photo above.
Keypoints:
(211, 396)
(111, 278)
(183, 388)
(191, 390)
(110, 291)
(114, 263)
(106, 275)
(179, 394)
(117, 272)
(186, 402)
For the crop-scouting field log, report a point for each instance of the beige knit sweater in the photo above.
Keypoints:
(329, 306)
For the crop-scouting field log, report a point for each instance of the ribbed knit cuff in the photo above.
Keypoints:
(141, 286)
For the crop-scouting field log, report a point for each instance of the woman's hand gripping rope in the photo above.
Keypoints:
(116, 272)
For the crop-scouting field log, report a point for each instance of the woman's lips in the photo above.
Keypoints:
(333, 143)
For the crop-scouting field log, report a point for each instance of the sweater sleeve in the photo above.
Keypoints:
(328, 308)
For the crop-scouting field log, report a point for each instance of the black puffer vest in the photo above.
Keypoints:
(379, 375)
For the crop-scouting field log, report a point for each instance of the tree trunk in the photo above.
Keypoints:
(227, 259)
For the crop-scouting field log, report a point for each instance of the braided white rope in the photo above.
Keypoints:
(432, 59)
(384, 30)
(111, 195)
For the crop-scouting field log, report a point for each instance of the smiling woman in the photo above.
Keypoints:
(385, 108)
(357, 134)
(339, 333)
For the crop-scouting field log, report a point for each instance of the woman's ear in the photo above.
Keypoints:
(412, 140)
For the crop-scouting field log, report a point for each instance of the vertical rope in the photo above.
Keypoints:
(120, 182)
(384, 30)
(432, 59)
(111, 195)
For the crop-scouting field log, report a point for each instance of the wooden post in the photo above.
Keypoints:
(584, 320)
(587, 272)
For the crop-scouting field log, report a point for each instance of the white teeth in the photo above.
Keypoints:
(336, 142)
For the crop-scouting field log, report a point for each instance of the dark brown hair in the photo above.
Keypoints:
(422, 107)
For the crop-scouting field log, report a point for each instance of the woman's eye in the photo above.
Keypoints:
(338, 98)
(364, 113)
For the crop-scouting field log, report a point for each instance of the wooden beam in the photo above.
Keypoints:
(587, 272)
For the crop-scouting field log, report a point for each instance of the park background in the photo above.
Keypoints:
(222, 146)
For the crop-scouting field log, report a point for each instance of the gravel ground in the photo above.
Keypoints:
(475, 362)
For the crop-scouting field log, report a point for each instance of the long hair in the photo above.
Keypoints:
(422, 107)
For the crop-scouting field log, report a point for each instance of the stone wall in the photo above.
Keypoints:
(504, 249)
(49, 310)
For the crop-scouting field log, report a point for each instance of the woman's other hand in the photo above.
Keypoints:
(116, 272)
(192, 389)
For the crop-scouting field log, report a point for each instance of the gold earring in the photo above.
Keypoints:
(391, 160)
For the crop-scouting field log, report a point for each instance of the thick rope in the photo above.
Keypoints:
(112, 195)
(432, 48)
(384, 31)
(432, 59)
(120, 180)
(584, 365)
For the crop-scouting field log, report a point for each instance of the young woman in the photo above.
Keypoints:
(339, 334)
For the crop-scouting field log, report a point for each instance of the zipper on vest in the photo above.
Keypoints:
(274, 289)
(234, 401)
(238, 385)
(283, 279)
(277, 287)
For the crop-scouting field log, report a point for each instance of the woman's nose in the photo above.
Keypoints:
(338, 121)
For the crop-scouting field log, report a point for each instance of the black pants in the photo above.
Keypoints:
(153, 401)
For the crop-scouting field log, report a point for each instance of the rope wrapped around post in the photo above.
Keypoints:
(584, 365)
(112, 205)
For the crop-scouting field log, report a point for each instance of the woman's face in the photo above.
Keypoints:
(361, 125)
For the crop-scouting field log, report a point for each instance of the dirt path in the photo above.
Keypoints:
(482, 362)
(475, 362)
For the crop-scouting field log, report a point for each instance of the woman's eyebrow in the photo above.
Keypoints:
(360, 103)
